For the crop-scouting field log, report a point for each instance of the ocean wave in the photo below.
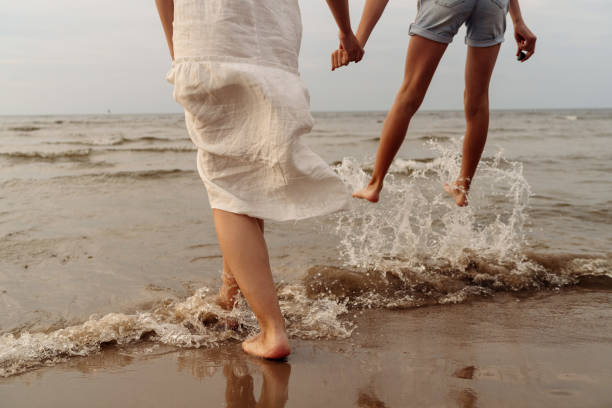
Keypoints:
(194, 322)
(24, 128)
(432, 282)
(320, 306)
(49, 156)
(116, 141)
(176, 149)
(141, 174)
(435, 138)
(103, 176)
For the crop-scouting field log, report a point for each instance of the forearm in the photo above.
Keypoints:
(340, 10)
(372, 11)
(166, 15)
(515, 12)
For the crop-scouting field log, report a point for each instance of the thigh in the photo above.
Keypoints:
(422, 60)
(479, 67)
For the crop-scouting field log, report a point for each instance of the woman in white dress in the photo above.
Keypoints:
(235, 71)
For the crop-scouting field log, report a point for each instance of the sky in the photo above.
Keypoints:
(90, 56)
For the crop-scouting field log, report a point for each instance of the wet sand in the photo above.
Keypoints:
(545, 350)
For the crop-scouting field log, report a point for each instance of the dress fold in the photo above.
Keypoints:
(246, 108)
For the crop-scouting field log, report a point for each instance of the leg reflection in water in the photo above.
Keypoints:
(239, 391)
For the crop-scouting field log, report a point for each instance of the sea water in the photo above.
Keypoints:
(106, 235)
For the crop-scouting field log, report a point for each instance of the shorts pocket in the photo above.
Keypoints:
(449, 3)
(502, 4)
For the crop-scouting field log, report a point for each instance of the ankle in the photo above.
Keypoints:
(463, 183)
(273, 331)
(376, 182)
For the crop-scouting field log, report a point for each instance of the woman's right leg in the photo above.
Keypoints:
(229, 287)
(422, 59)
(245, 251)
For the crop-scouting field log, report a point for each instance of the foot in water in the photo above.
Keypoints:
(371, 192)
(458, 191)
(228, 292)
(273, 347)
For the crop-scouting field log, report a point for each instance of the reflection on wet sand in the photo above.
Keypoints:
(367, 399)
(239, 390)
(237, 370)
(466, 398)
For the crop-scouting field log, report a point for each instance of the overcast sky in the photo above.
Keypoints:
(87, 56)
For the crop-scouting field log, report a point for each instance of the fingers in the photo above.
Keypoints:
(339, 58)
(529, 47)
(525, 41)
(349, 50)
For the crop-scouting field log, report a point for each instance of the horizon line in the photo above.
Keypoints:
(110, 113)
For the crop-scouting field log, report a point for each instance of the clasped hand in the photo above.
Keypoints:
(348, 51)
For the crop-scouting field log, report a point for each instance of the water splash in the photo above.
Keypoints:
(194, 322)
(417, 223)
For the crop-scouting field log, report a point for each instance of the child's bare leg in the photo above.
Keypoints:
(244, 248)
(478, 70)
(229, 286)
(422, 59)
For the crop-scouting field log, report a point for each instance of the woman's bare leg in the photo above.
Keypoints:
(229, 286)
(244, 248)
(478, 70)
(422, 59)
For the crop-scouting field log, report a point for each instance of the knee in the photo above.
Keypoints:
(475, 105)
(409, 98)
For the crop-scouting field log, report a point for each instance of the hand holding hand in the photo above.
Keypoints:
(525, 40)
(349, 51)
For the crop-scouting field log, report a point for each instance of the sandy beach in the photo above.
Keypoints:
(542, 350)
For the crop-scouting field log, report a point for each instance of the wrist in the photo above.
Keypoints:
(362, 38)
(517, 20)
(346, 33)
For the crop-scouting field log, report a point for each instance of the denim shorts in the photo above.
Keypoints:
(439, 20)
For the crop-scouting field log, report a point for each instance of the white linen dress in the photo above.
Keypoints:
(236, 74)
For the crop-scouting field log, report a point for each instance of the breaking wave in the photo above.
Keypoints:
(194, 322)
(48, 156)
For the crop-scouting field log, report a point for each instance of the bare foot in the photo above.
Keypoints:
(228, 292)
(458, 192)
(371, 192)
(274, 347)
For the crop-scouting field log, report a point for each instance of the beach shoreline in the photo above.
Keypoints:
(551, 348)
